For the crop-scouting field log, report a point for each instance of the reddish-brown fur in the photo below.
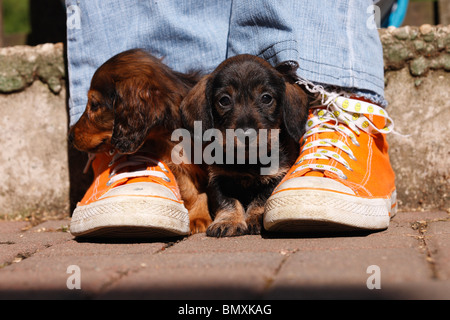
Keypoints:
(133, 101)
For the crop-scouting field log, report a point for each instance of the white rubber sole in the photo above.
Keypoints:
(307, 211)
(130, 216)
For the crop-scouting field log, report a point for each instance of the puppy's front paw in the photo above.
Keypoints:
(254, 224)
(229, 220)
(254, 218)
(198, 214)
(226, 229)
(199, 225)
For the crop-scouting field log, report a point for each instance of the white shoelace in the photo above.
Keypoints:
(132, 160)
(346, 116)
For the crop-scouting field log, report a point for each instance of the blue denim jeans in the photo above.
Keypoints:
(330, 39)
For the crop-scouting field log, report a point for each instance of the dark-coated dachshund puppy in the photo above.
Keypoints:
(246, 93)
(134, 102)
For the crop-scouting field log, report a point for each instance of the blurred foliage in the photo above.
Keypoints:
(16, 16)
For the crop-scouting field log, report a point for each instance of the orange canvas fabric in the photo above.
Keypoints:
(103, 165)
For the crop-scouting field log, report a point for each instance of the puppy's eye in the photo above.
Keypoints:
(266, 98)
(94, 105)
(225, 101)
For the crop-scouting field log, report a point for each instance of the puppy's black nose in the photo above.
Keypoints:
(247, 134)
(248, 131)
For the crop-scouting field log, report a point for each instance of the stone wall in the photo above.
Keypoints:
(42, 175)
(417, 79)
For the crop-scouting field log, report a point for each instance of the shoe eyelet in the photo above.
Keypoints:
(166, 179)
(108, 183)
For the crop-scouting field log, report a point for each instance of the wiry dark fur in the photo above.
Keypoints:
(246, 92)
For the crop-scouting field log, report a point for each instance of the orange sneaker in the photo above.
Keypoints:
(132, 195)
(343, 179)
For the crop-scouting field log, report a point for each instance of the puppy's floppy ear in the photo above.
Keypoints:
(295, 110)
(132, 114)
(289, 70)
(196, 106)
(296, 101)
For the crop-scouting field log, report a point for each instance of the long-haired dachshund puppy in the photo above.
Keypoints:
(246, 93)
(134, 99)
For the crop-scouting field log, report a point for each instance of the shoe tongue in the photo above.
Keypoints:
(100, 163)
(378, 121)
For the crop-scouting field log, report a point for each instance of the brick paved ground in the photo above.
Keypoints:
(413, 257)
